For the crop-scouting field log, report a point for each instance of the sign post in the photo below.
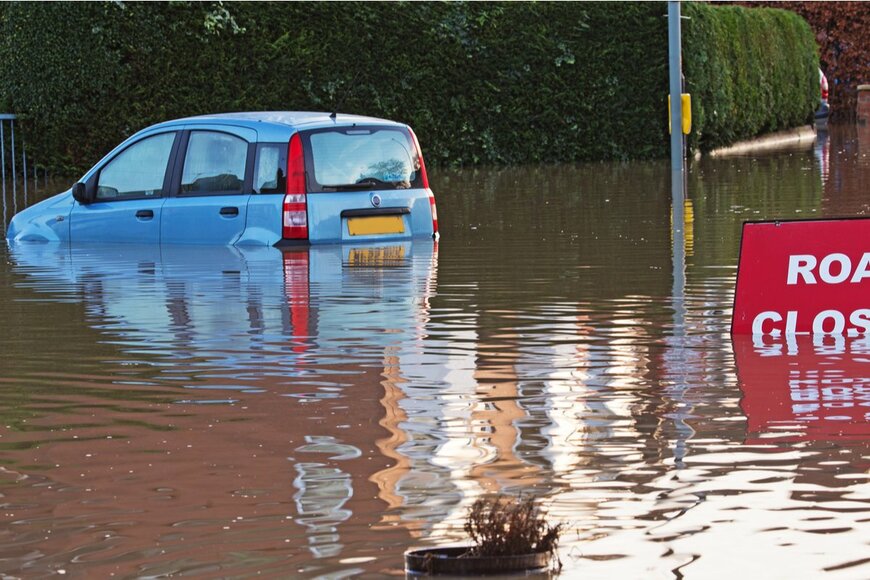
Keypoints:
(675, 70)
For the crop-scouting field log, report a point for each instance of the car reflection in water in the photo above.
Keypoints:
(231, 304)
(311, 328)
(804, 388)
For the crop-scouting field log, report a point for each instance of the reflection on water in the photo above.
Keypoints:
(809, 388)
(314, 413)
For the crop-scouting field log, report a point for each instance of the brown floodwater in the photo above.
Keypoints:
(224, 412)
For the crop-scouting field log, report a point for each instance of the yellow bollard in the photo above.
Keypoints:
(686, 105)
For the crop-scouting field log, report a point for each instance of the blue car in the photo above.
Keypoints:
(264, 179)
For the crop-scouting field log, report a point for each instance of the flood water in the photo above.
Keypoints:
(223, 412)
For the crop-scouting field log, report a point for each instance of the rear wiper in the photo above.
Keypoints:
(348, 186)
(365, 183)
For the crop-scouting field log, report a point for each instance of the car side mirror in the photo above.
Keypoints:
(80, 193)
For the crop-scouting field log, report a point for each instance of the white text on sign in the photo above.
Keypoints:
(833, 269)
(825, 322)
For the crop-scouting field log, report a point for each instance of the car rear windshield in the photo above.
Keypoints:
(361, 158)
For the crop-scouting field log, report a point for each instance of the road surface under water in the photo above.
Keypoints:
(222, 412)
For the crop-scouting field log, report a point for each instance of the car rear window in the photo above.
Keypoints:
(361, 158)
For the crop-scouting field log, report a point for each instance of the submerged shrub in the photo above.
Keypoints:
(504, 526)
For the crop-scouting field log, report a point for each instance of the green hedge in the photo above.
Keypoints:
(481, 83)
(750, 71)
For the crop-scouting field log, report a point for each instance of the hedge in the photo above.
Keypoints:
(750, 71)
(481, 83)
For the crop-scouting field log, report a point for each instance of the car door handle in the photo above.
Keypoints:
(145, 214)
(230, 211)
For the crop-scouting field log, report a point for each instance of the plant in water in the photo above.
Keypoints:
(506, 526)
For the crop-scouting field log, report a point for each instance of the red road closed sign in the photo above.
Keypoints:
(803, 277)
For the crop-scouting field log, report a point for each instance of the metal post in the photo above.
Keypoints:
(680, 354)
(3, 169)
(14, 185)
(5, 216)
(675, 68)
(24, 173)
(3, 157)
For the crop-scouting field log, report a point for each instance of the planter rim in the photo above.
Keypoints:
(447, 560)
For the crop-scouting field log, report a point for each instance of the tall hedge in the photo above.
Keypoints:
(480, 82)
(750, 71)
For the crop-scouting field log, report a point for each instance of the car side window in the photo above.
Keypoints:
(214, 163)
(270, 168)
(138, 171)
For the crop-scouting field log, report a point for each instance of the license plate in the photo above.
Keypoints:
(385, 224)
(367, 257)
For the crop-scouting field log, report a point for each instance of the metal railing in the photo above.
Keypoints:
(9, 166)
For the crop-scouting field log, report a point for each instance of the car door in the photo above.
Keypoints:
(211, 186)
(130, 192)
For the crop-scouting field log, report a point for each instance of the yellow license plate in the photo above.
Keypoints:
(366, 226)
(388, 256)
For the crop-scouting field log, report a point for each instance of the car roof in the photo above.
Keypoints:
(271, 126)
(293, 120)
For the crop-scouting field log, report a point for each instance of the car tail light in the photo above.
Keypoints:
(425, 180)
(295, 214)
(434, 214)
(824, 87)
(295, 217)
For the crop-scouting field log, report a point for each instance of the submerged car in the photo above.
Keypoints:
(265, 178)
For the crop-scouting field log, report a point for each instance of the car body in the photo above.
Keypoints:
(262, 178)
